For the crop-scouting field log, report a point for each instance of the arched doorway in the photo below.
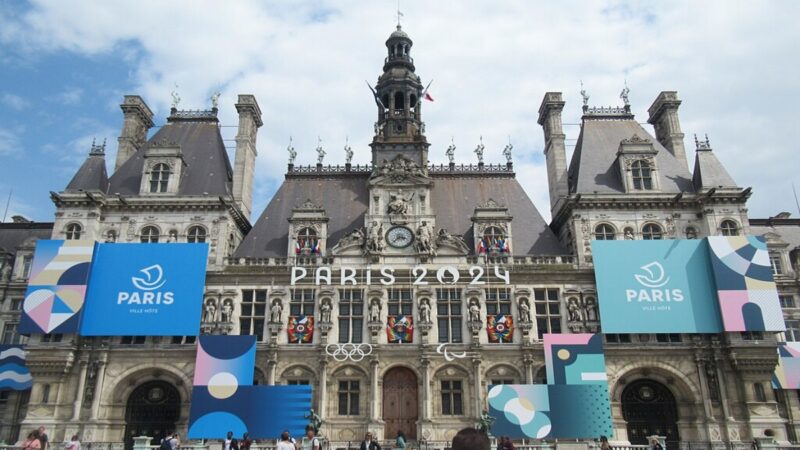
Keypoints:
(649, 408)
(400, 403)
(152, 410)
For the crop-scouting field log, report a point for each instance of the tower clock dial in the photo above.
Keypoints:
(399, 237)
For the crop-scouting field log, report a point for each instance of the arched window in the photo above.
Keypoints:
(159, 178)
(604, 232)
(729, 228)
(691, 233)
(494, 239)
(399, 101)
(74, 231)
(307, 241)
(652, 231)
(758, 392)
(642, 175)
(149, 235)
(196, 234)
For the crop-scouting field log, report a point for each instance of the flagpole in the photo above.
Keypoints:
(796, 203)
(8, 202)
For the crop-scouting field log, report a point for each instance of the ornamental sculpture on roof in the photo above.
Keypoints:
(451, 151)
(624, 94)
(479, 151)
(507, 151)
(320, 151)
(292, 152)
(176, 99)
(399, 169)
(348, 151)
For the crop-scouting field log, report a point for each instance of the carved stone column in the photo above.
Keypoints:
(527, 361)
(98, 390)
(272, 367)
(709, 416)
(323, 387)
(476, 370)
(76, 408)
(373, 389)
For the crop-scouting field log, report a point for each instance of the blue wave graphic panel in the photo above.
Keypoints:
(14, 373)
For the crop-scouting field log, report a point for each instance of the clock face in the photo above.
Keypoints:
(399, 237)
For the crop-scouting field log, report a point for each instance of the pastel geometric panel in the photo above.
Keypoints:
(575, 359)
(655, 286)
(57, 287)
(261, 411)
(400, 329)
(500, 328)
(537, 411)
(787, 372)
(225, 362)
(14, 373)
(746, 290)
(300, 329)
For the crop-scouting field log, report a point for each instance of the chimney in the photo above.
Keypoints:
(137, 120)
(244, 164)
(554, 150)
(664, 117)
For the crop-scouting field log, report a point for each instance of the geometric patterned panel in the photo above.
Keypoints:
(14, 374)
(748, 297)
(575, 359)
(787, 372)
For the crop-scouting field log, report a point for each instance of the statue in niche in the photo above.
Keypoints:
(325, 311)
(424, 311)
(375, 240)
(5, 273)
(425, 239)
(375, 310)
(474, 311)
(713, 383)
(227, 312)
(524, 311)
(575, 311)
(591, 310)
(399, 204)
(276, 311)
(210, 311)
(628, 233)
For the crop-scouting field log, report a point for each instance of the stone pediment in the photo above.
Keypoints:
(400, 170)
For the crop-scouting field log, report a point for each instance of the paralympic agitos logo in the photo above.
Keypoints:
(147, 289)
(653, 281)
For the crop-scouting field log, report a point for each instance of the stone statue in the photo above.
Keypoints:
(485, 422)
(399, 204)
(355, 237)
(176, 99)
(424, 311)
(292, 152)
(624, 94)
(320, 151)
(314, 420)
(451, 152)
(507, 152)
(575, 311)
(275, 311)
(215, 99)
(5, 273)
(325, 311)
(591, 310)
(524, 311)
(375, 310)
(210, 313)
(584, 95)
(479, 151)
(348, 152)
(375, 240)
(628, 234)
(474, 311)
(445, 238)
(425, 239)
(227, 312)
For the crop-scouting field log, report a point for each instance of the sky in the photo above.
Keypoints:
(65, 66)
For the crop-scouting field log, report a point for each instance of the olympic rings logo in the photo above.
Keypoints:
(353, 352)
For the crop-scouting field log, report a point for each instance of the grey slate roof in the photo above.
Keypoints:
(709, 172)
(207, 168)
(92, 175)
(593, 166)
(787, 229)
(346, 199)
(12, 235)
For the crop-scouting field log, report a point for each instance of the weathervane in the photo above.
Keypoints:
(624, 94)
(292, 152)
(347, 150)
(583, 94)
(399, 14)
(320, 150)
(176, 99)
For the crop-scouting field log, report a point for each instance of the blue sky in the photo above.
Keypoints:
(67, 64)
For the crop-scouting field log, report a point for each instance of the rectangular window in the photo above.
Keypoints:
(132, 340)
(27, 261)
(793, 330)
(618, 338)
(498, 301)
(752, 335)
(16, 304)
(351, 316)
(253, 313)
(776, 263)
(348, 397)
(54, 338)
(10, 335)
(548, 311)
(672, 337)
(503, 381)
(46, 393)
(449, 315)
(452, 398)
(298, 382)
(302, 303)
(400, 302)
(183, 340)
(787, 301)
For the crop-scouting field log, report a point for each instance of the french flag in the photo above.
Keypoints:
(425, 93)
(297, 247)
(481, 247)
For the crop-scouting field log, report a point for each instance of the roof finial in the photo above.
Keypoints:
(624, 94)
(399, 15)
(292, 152)
(702, 145)
(176, 99)
(583, 94)
(97, 149)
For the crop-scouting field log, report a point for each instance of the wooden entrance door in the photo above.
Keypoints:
(650, 409)
(400, 407)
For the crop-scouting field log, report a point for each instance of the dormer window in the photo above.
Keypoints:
(604, 232)
(149, 235)
(74, 231)
(642, 175)
(729, 228)
(494, 239)
(307, 242)
(159, 178)
(652, 231)
(196, 234)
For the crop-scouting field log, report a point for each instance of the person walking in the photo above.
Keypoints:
(32, 442)
(45, 444)
(230, 442)
(400, 441)
(285, 442)
(369, 443)
(310, 441)
(246, 442)
(73, 444)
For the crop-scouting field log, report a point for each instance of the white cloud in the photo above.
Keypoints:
(70, 96)
(13, 101)
(492, 63)
(9, 143)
